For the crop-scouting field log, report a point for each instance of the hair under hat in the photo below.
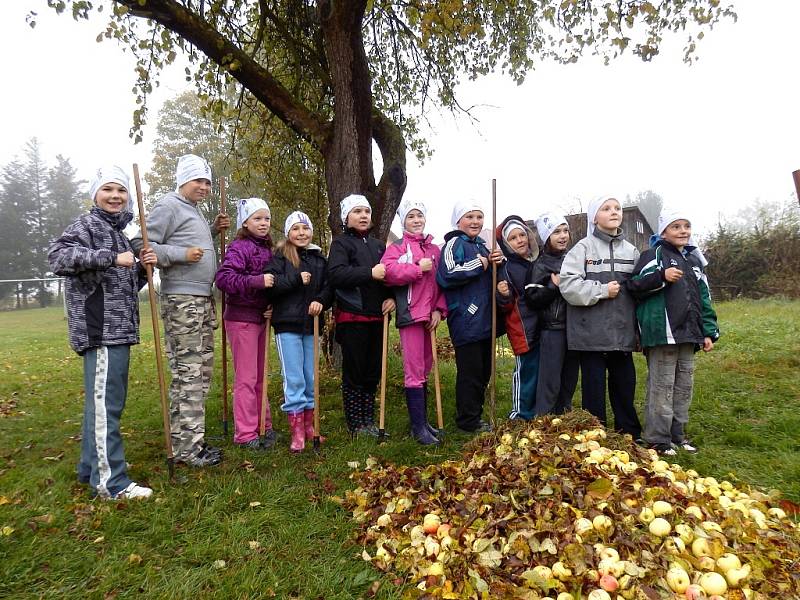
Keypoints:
(191, 167)
(349, 203)
(511, 225)
(461, 208)
(591, 211)
(108, 174)
(406, 206)
(547, 223)
(246, 207)
(295, 218)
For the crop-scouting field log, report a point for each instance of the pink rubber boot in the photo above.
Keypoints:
(308, 420)
(297, 427)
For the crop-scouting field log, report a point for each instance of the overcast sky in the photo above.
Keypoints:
(714, 137)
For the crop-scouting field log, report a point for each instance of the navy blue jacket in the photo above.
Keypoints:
(467, 288)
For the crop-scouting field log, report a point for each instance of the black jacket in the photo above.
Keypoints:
(542, 295)
(350, 263)
(290, 298)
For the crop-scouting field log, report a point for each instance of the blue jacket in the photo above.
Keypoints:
(467, 288)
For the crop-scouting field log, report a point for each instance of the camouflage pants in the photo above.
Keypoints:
(189, 322)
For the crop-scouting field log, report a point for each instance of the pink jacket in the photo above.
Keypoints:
(417, 294)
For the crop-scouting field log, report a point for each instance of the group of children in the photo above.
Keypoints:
(561, 308)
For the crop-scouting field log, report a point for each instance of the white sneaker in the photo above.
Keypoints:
(133, 492)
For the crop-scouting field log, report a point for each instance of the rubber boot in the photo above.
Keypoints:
(415, 400)
(308, 425)
(297, 429)
(350, 403)
(435, 432)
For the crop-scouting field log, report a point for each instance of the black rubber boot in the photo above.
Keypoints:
(350, 402)
(435, 432)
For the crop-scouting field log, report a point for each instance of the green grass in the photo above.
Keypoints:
(65, 545)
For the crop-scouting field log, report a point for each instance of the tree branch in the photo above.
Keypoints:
(255, 78)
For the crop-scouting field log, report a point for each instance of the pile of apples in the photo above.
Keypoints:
(559, 509)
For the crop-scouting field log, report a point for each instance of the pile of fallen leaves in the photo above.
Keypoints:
(560, 509)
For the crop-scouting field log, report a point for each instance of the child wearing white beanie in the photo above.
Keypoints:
(102, 279)
(558, 366)
(356, 276)
(187, 262)
(466, 278)
(411, 269)
(601, 314)
(300, 295)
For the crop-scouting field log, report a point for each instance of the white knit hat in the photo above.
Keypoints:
(669, 215)
(511, 225)
(351, 202)
(594, 206)
(108, 174)
(246, 207)
(191, 167)
(547, 223)
(406, 206)
(295, 218)
(461, 208)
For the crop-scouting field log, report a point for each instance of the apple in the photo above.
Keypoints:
(735, 577)
(706, 563)
(661, 508)
(713, 583)
(384, 520)
(678, 579)
(674, 545)
(684, 532)
(599, 595)
(443, 530)
(565, 596)
(660, 466)
(646, 515)
(608, 553)
(694, 510)
(561, 572)
(694, 592)
(776, 513)
(543, 571)
(660, 527)
(602, 523)
(609, 583)
(583, 526)
(700, 547)
(728, 561)
(431, 522)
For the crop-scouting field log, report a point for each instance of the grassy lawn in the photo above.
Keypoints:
(268, 516)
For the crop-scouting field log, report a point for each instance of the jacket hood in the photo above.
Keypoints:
(425, 238)
(533, 244)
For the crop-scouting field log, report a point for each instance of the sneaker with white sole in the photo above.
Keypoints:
(133, 492)
(686, 445)
(664, 449)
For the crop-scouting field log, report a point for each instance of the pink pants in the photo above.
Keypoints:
(417, 355)
(247, 347)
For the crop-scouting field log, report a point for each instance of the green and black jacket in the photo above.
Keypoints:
(672, 313)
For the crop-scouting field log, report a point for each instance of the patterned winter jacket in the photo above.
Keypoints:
(595, 322)
(672, 313)
(102, 302)
(417, 294)
(241, 277)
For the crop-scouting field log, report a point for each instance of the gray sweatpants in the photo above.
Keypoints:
(105, 380)
(670, 376)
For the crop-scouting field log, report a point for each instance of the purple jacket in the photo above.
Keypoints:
(241, 277)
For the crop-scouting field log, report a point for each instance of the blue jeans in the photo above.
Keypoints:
(296, 352)
(105, 380)
(523, 385)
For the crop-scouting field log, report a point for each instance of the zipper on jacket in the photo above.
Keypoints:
(611, 255)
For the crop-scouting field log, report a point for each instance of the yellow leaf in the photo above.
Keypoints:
(4, 500)
(254, 545)
(219, 564)
(8, 530)
(97, 540)
(254, 504)
(134, 559)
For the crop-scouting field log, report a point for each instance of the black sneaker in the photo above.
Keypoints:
(254, 444)
(686, 445)
(664, 449)
(211, 449)
(203, 459)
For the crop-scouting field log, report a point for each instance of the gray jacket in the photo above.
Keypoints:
(595, 322)
(174, 225)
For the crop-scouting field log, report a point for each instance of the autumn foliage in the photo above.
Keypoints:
(559, 508)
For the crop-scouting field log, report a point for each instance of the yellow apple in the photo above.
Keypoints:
(678, 579)
(431, 522)
(646, 515)
(728, 561)
(713, 583)
(661, 508)
(660, 527)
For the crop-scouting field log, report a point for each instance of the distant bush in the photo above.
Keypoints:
(757, 253)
